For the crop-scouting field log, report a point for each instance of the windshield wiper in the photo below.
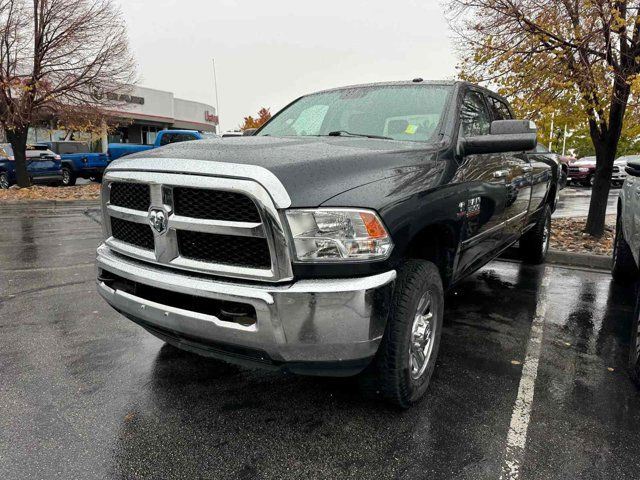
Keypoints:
(339, 133)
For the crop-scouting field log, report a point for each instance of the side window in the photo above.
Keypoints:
(65, 148)
(475, 117)
(500, 109)
(168, 138)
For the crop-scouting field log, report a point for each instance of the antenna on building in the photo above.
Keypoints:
(215, 83)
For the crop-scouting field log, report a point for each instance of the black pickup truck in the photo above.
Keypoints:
(324, 243)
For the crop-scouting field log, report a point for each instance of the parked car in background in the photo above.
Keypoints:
(619, 174)
(164, 137)
(626, 250)
(232, 133)
(323, 244)
(582, 171)
(78, 161)
(43, 165)
(565, 161)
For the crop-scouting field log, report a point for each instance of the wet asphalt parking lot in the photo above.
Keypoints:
(530, 380)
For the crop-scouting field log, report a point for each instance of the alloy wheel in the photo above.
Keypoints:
(66, 177)
(4, 181)
(422, 336)
(546, 235)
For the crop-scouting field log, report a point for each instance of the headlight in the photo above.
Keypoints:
(328, 235)
(583, 169)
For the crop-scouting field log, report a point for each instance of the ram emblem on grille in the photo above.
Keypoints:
(158, 220)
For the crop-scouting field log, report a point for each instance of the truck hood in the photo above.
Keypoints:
(312, 169)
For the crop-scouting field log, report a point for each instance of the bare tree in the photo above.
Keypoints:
(581, 56)
(58, 56)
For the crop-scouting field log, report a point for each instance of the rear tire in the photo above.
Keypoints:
(534, 244)
(4, 180)
(624, 269)
(68, 177)
(406, 358)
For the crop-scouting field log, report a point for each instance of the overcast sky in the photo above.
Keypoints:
(270, 52)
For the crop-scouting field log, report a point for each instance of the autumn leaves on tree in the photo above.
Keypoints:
(249, 122)
(60, 60)
(578, 60)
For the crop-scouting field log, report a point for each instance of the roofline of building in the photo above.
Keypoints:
(157, 118)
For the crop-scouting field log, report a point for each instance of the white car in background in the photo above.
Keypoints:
(619, 169)
(626, 250)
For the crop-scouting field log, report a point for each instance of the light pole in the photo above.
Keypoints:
(553, 117)
(215, 86)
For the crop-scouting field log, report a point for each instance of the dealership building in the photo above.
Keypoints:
(141, 114)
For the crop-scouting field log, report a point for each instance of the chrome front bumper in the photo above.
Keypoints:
(331, 326)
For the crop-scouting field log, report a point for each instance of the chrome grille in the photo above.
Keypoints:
(223, 226)
(130, 195)
(226, 249)
(130, 232)
(214, 205)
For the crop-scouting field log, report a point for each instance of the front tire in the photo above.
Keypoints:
(68, 177)
(624, 269)
(534, 244)
(405, 361)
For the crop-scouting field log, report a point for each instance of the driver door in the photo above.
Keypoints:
(483, 232)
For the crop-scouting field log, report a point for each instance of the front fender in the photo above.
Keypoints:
(410, 203)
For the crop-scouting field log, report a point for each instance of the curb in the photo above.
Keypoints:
(600, 262)
(567, 259)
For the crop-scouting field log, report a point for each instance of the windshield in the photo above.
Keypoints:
(398, 112)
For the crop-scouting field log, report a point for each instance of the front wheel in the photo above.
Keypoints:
(4, 180)
(534, 244)
(405, 361)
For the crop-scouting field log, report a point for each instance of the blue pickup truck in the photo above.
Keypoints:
(164, 137)
(43, 165)
(78, 161)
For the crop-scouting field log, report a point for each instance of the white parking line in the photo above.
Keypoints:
(517, 436)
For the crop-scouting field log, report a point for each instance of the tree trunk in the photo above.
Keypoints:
(18, 140)
(606, 142)
(605, 155)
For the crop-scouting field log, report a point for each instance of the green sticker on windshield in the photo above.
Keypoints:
(411, 129)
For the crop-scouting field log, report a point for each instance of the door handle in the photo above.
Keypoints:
(500, 174)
